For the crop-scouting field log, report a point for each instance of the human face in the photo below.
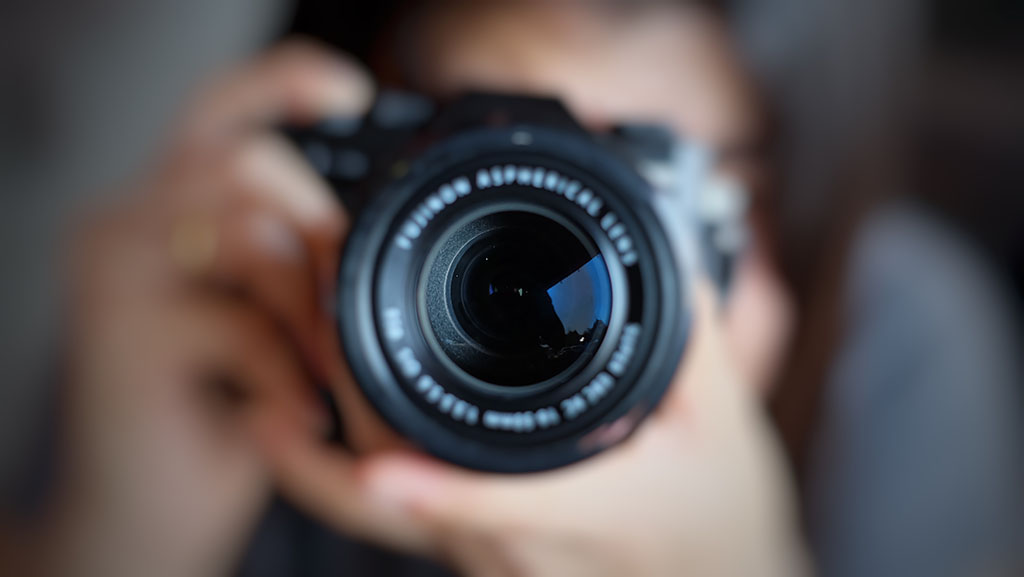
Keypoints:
(665, 62)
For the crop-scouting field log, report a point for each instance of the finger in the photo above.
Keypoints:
(364, 428)
(274, 230)
(329, 482)
(445, 500)
(297, 81)
(263, 256)
(236, 351)
(401, 500)
(267, 170)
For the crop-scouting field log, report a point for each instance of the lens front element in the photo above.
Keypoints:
(530, 297)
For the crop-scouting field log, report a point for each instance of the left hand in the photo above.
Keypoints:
(698, 490)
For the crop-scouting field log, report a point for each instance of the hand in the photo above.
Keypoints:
(698, 490)
(196, 315)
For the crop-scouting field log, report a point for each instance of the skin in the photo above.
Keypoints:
(170, 467)
(165, 475)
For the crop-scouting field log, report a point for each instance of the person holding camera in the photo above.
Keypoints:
(204, 334)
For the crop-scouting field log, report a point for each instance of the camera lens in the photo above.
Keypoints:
(512, 304)
(531, 297)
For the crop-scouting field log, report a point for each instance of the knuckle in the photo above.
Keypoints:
(260, 242)
(245, 162)
(329, 226)
(266, 167)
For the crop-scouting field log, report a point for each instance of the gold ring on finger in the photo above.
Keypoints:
(193, 244)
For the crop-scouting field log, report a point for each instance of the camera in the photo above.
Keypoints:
(513, 295)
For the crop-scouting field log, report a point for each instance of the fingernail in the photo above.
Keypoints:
(350, 90)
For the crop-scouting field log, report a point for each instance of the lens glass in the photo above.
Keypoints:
(531, 297)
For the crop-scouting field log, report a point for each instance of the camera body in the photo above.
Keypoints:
(514, 293)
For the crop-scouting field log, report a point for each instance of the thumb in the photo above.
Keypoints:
(450, 499)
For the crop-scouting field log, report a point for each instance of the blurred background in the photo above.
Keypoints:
(902, 102)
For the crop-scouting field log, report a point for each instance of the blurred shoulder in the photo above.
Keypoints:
(917, 467)
(918, 280)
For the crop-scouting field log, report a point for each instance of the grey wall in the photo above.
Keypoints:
(87, 90)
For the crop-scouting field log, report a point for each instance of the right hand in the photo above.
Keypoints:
(196, 315)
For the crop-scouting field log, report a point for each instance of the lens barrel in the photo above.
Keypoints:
(513, 303)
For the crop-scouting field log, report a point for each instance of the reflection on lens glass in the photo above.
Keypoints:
(532, 298)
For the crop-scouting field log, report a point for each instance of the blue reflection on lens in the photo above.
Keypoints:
(584, 298)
